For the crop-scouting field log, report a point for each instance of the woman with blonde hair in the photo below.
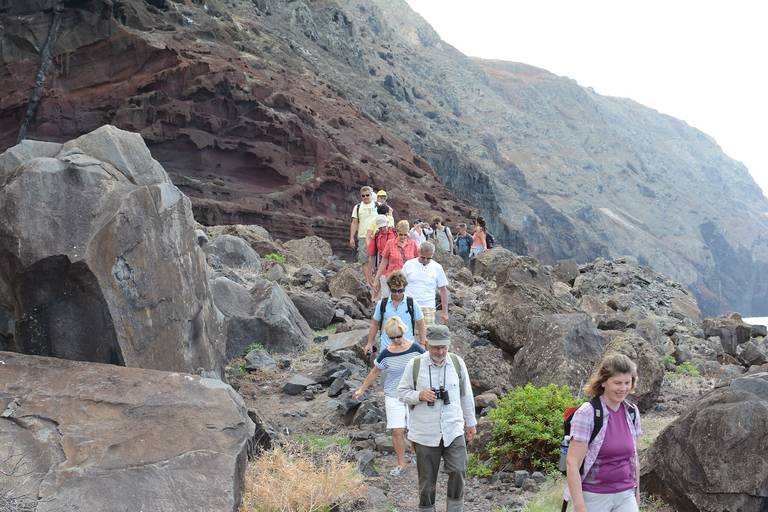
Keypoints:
(393, 359)
(609, 479)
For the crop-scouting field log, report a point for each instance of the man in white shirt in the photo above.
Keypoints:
(424, 277)
(437, 420)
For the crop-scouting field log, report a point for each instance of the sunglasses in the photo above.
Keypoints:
(382, 197)
(365, 195)
(425, 257)
(397, 291)
(393, 338)
(402, 234)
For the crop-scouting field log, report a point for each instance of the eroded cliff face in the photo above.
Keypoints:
(245, 127)
(276, 112)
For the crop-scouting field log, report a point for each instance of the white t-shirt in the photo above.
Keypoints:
(443, 236)
(423, 280)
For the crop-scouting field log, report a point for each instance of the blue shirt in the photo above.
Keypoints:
(402, 312)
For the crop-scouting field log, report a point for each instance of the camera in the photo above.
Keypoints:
(442, 394)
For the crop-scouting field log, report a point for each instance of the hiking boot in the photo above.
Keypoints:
(397, 471)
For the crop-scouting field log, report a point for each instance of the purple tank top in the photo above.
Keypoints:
(612, 471)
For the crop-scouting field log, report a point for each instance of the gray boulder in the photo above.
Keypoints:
(488, 369)
(317, 310)
(565, 350)
(298, 384)
(486, 263)
(732, 332)
(93, 437)
(350, 281)
(650, 365)
(259, 360)
(234, 252)
(310, 250)
(712, 457)
(100, 261)
(566, 271)
(264, 315)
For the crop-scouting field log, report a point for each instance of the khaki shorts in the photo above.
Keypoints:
(429, 315)
(362, 246)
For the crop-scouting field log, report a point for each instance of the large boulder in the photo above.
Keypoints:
(350, 281)
(650, 364)
(488, 369)
(507, 313)
(234, 252)
(317, 310)
(731, 331)
(93, 437)
(712, 457)
(263, 315)
(486, 263)
(564, 352)
(98, 257)
(310, 250)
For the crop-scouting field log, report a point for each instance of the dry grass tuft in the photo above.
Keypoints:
(290, 479)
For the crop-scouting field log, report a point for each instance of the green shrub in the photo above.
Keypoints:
(273, 256)
(253, 346)
(528, 427)
(477, 468)
(669, 360)
(688, 369)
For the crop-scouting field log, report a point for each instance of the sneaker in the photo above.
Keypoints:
(413, 458)
(397, 471)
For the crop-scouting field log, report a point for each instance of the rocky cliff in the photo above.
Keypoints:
(275, 112)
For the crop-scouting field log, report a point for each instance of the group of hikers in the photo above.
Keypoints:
(427, 389)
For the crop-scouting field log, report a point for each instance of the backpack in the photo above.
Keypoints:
(390, 235)
(357, 209)
(408, 304)
(488, 240)
(454, 358)
(598, 424)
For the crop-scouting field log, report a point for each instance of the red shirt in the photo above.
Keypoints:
(379, 241)
(392, 253)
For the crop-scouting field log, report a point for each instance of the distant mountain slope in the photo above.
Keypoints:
(276, 111)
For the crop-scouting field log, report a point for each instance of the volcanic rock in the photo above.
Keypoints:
(99, 258)
(89, 437)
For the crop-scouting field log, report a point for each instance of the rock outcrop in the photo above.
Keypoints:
(712, 458)
(92, 437)
(98, 257)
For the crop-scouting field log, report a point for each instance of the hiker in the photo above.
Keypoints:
(396, 253)
(376, 246)
(442, 234)
(382, 209)
(398, 305)
(419, 232)
(381, 198)
(425, 276)
(362, 214)
(463, 243)
(394, 358)
(479, 243)
(610, 480)
(437, 420)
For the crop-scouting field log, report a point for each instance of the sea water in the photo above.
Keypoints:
(756, 320)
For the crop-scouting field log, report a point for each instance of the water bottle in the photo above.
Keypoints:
(563, 453)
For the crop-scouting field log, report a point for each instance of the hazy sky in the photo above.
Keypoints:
(700, 61)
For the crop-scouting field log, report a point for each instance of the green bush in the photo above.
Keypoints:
(273, 256)
(253, 346)
(669, 360)
(688, 369)
(477, 468)
(528, 427)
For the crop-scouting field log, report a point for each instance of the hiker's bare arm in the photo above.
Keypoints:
(372, 334)
(577, 450)
(353, 231)
(372, 376)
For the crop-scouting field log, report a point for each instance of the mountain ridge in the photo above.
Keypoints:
(275, 112)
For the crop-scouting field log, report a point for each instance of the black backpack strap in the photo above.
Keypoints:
(598, 417)
(409, 304)
(381, 312)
